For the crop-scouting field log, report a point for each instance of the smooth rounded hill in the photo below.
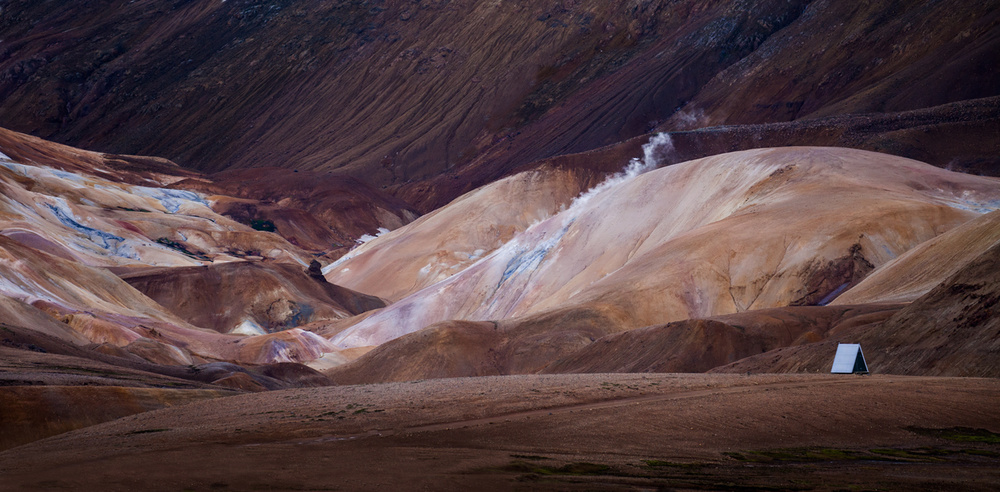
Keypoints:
(450, 239)
(726, 234)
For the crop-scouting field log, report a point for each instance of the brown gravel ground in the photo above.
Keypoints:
(558, 432)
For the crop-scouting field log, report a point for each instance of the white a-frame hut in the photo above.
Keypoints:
(849, 359)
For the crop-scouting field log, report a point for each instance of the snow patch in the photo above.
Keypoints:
(368, 237)
(968, 203)
(358, 248)
(172, 200)
(249, 328)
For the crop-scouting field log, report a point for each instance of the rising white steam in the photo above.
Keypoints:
(522, 257)
(653, 152)
(689, 119)
(527, 250)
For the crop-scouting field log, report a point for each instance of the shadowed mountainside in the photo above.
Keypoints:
(364, 87)
(961, 136)
(318, 211)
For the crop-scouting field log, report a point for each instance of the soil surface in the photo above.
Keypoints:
(558, 432)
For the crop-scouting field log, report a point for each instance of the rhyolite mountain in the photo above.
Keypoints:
(203, 199)
(396, 92)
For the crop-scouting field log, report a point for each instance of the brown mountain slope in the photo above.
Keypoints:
(591, 340)
(319, 211)
(487, 348)
(702, 344)
(953, 330)
(960, 136)
(396, 92)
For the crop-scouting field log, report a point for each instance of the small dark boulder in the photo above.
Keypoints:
(316, 271)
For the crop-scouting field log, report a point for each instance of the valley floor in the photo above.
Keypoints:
(558, 432)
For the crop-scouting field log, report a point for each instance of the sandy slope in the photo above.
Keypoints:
(505, 432)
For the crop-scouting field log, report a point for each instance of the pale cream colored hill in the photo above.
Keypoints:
(724, 234)
(952, 330)
(448, 240)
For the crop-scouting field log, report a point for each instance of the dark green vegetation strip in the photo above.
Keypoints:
(531, 457)
(263, 225)
(145, 431)
(578, 468)
(925, 454)
(959, 434)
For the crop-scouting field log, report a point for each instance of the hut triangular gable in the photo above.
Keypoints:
(849, 359)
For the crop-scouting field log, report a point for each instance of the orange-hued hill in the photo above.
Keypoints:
(452, 238)
(917, 271)
(689, 241)
(952, 330)
(74, 223)
(554, 269)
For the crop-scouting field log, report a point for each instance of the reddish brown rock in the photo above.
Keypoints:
(264, 296)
